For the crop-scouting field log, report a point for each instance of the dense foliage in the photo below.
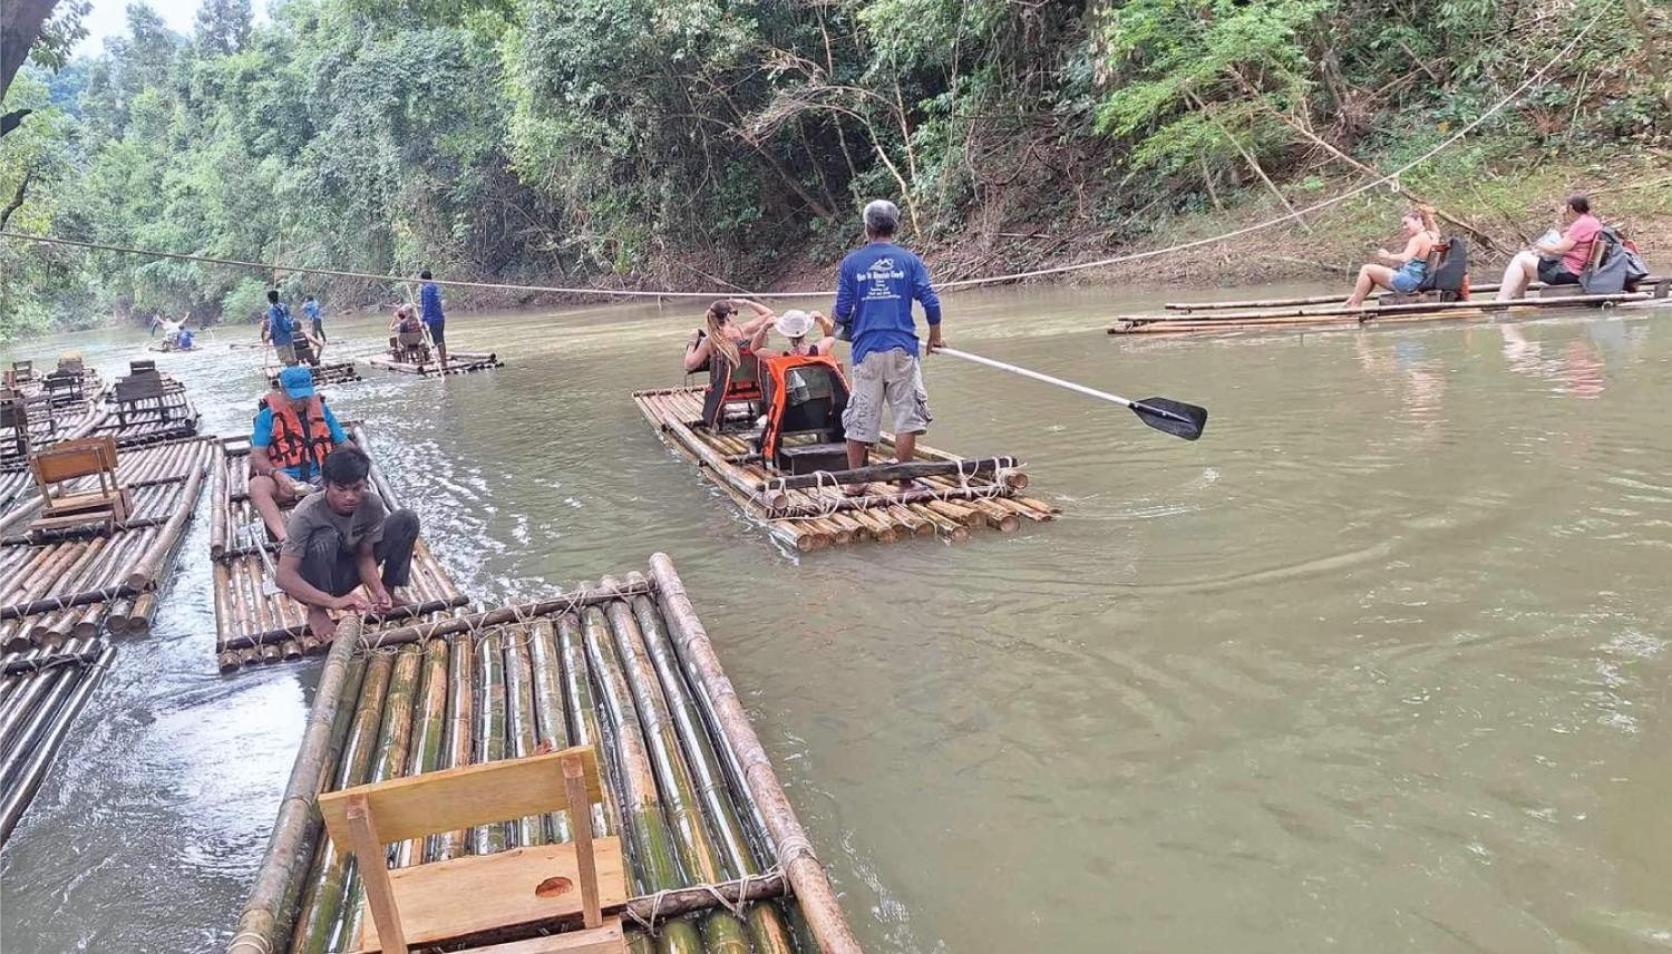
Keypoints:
(665, 140)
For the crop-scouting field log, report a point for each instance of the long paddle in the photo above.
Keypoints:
(1164, 414)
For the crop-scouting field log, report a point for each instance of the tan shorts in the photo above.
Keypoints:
(893, 378)
(286, 353)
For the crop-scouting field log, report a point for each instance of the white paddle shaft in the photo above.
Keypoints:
(1024, 372)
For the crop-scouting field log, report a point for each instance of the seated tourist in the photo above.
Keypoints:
(1401, 271)
(1558, 261)
(294, 432)
(343, 538)
(794, 325)
(721, 335)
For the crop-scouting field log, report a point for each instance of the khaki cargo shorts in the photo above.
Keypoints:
(286, 353)
(894, 378)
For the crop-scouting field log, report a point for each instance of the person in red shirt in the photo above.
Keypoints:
(1557, 262)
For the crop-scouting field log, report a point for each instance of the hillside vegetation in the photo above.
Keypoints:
(661, 142)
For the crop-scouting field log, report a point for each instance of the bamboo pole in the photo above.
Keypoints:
(461, 719)
(699, 858)
(583, 715)
(490, 730)
(431, 728)
(505, 614)
(642, 807)
(520, 728)
(260, 929)
(766, 927)
(322, 902)
(552, 728)
(144, 573)
(790, 844)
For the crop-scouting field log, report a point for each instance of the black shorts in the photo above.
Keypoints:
(438, 333)
(1551, 272)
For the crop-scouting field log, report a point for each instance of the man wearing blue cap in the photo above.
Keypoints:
(294, 432)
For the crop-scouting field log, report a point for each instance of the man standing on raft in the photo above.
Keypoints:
(429, 303)
(874, 292)
(337, 539)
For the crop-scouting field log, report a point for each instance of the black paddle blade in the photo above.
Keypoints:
(1172, 417)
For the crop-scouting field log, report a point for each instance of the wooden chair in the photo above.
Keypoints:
(14, 424)
(70, 362)
(23, 372)
(140, 395)
(464, 897)
(72, 460)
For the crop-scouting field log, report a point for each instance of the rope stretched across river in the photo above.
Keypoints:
(1389, 178)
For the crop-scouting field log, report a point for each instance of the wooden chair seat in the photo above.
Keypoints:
(459, 898)
(463, 896)
(72, 460)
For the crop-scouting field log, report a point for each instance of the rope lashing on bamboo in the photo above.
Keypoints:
(252, 938)
(1390, 179)
(736, 907)
(521, 614)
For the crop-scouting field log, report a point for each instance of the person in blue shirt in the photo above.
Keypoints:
(310, 310)
(281, 329)
(874, 295)
(429, 301)
(294, 432)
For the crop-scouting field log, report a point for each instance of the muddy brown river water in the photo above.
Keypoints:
(1379, 664)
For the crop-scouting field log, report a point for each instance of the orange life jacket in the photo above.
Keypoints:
(293, 444)
(775, 371)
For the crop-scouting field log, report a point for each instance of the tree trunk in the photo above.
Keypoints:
(20, 27)
(17, 199)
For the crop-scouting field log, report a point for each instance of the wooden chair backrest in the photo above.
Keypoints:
(23, 370)
(67, 460)
(1599, 251)
(140, 385)
(71, 363)
(140, 367)
(452, 799)
(14, 413)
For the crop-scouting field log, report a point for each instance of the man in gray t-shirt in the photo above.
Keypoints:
(335, 541)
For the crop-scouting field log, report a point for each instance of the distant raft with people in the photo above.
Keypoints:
(412, 352)
(770, 437)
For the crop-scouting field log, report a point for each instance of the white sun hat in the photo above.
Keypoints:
(794, 323)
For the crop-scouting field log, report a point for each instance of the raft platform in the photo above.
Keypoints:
(458, 362)
(63, 591)
(255, 622)
(1307, 313)
(690, 822)
(340, 372)
(43, 409)
(952, 495)
(145, 406)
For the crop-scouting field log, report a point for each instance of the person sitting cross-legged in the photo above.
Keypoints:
(337, 541)
(294, 430)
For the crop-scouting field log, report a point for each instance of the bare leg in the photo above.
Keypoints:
(323, 626)
(441, 349)
(905, 448)
(1368, 278)
(1522, 270)
(857, 454)
(269, 497)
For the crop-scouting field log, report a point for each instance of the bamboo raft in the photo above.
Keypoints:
(626, 668)
(161, 413)
(340, 372)
(41, 693)
(1311, 312)
(62, 593)
(811, 512)
(49, 418)
(254, 623)
(66, 584)
(458, 362)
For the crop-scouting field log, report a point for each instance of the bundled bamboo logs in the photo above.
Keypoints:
(948, 495)
(38, 709)
(618, 667)
(458, 362)
(1308, 312)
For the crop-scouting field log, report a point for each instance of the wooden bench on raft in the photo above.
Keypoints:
(108, 503)
(470, 898)
(14, 424)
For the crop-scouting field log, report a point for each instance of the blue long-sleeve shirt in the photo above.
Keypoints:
(280, 327)
(429, 299)
(874, 293)
(311, 310)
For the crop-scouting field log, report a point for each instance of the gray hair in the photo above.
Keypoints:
(882, 217)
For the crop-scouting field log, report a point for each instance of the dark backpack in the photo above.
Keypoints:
(1618, 270)
(1451, 276)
